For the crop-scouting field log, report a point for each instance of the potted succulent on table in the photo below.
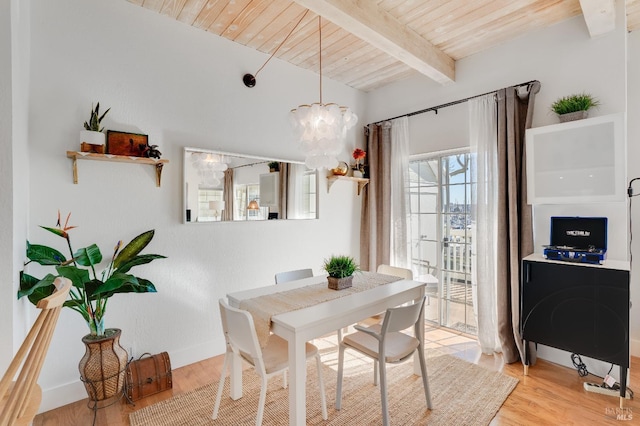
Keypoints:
(92, 138)
(102, 368)
(574, 107)
(340, 270)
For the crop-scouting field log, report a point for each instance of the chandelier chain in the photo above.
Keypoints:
(320, 54)
(282, 42)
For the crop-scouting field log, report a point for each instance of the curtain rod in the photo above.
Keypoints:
(448, 104)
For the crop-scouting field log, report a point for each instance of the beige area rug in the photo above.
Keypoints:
(462, 394)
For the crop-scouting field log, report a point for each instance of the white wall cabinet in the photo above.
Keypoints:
(269, 185)
(581, 161)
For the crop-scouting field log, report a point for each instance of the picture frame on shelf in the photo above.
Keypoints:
(128, 144)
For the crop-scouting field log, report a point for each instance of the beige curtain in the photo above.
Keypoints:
(283, 190)
(227, 213)
(375, 232)
(515, 229)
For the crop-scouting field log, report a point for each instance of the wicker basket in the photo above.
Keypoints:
(102, 368)
(340, 283)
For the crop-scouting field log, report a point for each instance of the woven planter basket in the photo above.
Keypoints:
(102, 368)
(340, 283)
(572, 116)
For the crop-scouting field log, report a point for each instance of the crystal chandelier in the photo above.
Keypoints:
(210, 168)
(321, 128)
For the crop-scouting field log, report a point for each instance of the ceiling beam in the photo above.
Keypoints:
(366, 21)
(600, 16)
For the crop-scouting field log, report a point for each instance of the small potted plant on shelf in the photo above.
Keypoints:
(340, 270)
(358, 168)
(102, 368)
(92, 138)
(574, 107)
(274, 166)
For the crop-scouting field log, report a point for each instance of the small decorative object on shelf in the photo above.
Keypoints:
(340, 270)
(341, 170)
(274, 166)
(357, 167)
(128, 144)
(91, 138)
(574, 107)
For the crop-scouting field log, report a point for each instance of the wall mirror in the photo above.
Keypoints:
(224, 187)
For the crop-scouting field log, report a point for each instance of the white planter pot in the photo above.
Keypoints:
(91, 137)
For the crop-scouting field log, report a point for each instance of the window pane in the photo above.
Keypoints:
(455, 169)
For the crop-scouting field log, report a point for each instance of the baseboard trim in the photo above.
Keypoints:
(634, 347)
(71, 392)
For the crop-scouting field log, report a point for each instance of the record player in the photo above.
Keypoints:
(578, 239)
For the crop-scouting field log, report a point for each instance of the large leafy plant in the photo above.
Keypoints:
(90, 291)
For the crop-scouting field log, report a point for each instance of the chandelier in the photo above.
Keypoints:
(321, 128)
(209, 167)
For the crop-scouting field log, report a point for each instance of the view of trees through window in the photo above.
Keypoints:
(442, 193)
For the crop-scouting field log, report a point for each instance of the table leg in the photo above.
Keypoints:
(297, 380)
(416, 360)
(235, 378)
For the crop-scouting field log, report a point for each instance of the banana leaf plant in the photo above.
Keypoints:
(90, 291)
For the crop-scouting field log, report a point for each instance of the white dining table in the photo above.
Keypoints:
(303, 325)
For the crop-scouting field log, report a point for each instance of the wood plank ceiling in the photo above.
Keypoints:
(439, 32)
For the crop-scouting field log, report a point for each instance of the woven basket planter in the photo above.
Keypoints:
(572, 116)
(340, 283)
(102, 368)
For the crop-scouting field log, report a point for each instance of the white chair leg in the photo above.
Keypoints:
(223, 376)
(425, 379)
(263, 397)
(383, 392)
(323, 398)
(339, 384)
(375, 372)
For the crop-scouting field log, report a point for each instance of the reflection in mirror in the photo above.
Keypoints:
(222, 186)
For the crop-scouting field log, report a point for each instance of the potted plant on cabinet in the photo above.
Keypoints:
(92, 138)
(574, 107)
(274, 166)
(340, 270)
(102, 368)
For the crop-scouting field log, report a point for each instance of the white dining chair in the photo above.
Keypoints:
(387, 344)
(396, 271)
(241, 339)
(282, 277)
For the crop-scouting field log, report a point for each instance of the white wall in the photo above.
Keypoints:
(633, 171)
(14, 166)
(182, 87)
(565, 60)
(6, 189)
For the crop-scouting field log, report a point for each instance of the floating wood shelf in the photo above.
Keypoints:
(362, 182)
(75, 156)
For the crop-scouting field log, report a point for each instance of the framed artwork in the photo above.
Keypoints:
(129, 144)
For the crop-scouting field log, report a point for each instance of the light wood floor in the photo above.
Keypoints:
(549, 395)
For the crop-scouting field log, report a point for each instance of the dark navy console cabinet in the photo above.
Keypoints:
(578, 308)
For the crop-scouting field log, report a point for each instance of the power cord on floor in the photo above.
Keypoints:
(577, 363)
